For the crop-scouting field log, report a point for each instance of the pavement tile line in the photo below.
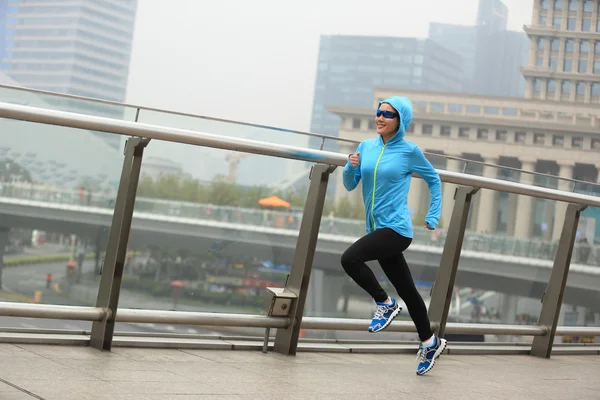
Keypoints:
(19, 388)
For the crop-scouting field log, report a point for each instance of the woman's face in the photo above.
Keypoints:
(387, 126)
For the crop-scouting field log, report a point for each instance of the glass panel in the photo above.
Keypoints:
(579, 307)
(57, 102)
(231, 129)
(57, 190)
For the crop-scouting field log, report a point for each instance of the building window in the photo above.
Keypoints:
(571, 24)
(595, 89)
(539, 62)
(558, 140)
(582, 66)
(596, 144)
(355, 123)
(565, 87)
(558, 5)
(541, 44)
(427, 129)
(543, 20)
(577, 142)
(539, 138)
(445, 131)
(573, 5)
(568, 65)
(580, 88)
(501, 135)
(555, 44)
(587, 25)
(557, 22)
(596, 67)
(544, 4)
(463, 132)
(538, 85)
(520, 137)
(553, 63)
(551, 85)
(597, 51)
(588, 5)
(584, 47)
(570, 46)
(372, 125)
(482, 134)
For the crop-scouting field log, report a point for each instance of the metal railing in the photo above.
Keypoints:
(537, 248)
(287, 305)
(466, 162)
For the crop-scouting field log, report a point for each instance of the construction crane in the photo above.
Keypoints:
(233, 159)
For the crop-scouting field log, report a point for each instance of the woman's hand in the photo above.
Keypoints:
(354, 159)
(427, 226)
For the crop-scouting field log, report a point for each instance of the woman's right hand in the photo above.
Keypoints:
(354, 159)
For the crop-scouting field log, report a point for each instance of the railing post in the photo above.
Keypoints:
(112, 271)
(552, 299)
(443, 287)
(286, 340)
(3, 243)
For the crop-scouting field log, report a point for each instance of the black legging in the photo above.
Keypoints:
(386, 246)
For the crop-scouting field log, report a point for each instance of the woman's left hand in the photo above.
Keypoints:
(427, 226)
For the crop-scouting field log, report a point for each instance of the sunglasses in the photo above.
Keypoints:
(387, 114)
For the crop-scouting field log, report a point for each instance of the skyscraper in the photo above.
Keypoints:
(492, 55)
(564, 57)
(350, 67)
(78, 47)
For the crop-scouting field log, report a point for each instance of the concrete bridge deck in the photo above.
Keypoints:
(29, 371)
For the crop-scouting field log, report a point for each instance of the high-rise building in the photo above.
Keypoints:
(350, 67)
(564, 55)
(78, 47)
(492, 55)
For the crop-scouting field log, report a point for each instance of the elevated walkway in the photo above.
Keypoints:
(68, 373)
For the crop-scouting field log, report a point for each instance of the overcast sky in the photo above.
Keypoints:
(256, 60)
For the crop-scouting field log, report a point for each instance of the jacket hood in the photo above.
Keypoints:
(403, 107)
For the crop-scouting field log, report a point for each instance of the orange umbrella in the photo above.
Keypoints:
(274, 201)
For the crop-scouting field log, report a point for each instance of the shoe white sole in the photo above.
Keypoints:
(438, 352)
(389, 321)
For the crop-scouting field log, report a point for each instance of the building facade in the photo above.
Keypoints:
(78, 47)
(558, 139)
(350, 67)
(564, 52)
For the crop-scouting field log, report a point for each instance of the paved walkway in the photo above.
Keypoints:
(67, 373)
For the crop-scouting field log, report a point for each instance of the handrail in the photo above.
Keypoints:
(81, 121)
(183, 114)
(311, 134)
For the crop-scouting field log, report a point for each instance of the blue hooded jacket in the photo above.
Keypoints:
(386, 171)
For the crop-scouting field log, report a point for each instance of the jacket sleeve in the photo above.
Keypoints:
(351, 175)
(421, 166)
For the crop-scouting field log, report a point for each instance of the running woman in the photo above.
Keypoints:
(385, 165)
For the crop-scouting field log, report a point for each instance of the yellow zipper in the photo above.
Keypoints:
(374, 185)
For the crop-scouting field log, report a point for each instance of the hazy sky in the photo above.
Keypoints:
(256, 60)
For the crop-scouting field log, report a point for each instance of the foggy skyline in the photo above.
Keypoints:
(257, 62)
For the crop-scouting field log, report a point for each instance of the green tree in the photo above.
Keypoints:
(10, 168)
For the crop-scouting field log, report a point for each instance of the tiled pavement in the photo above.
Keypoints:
(63, 373)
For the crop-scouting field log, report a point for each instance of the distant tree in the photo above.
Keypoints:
(10, 169)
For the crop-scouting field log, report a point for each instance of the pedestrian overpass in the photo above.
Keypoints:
(188, 365)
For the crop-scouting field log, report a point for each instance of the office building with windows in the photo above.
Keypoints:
(564, 54)
(491, 54)
(78, 47)
(350, 67)
(554, 130)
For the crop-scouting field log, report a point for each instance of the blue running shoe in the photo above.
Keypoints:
(428, 355)
(384, 315)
